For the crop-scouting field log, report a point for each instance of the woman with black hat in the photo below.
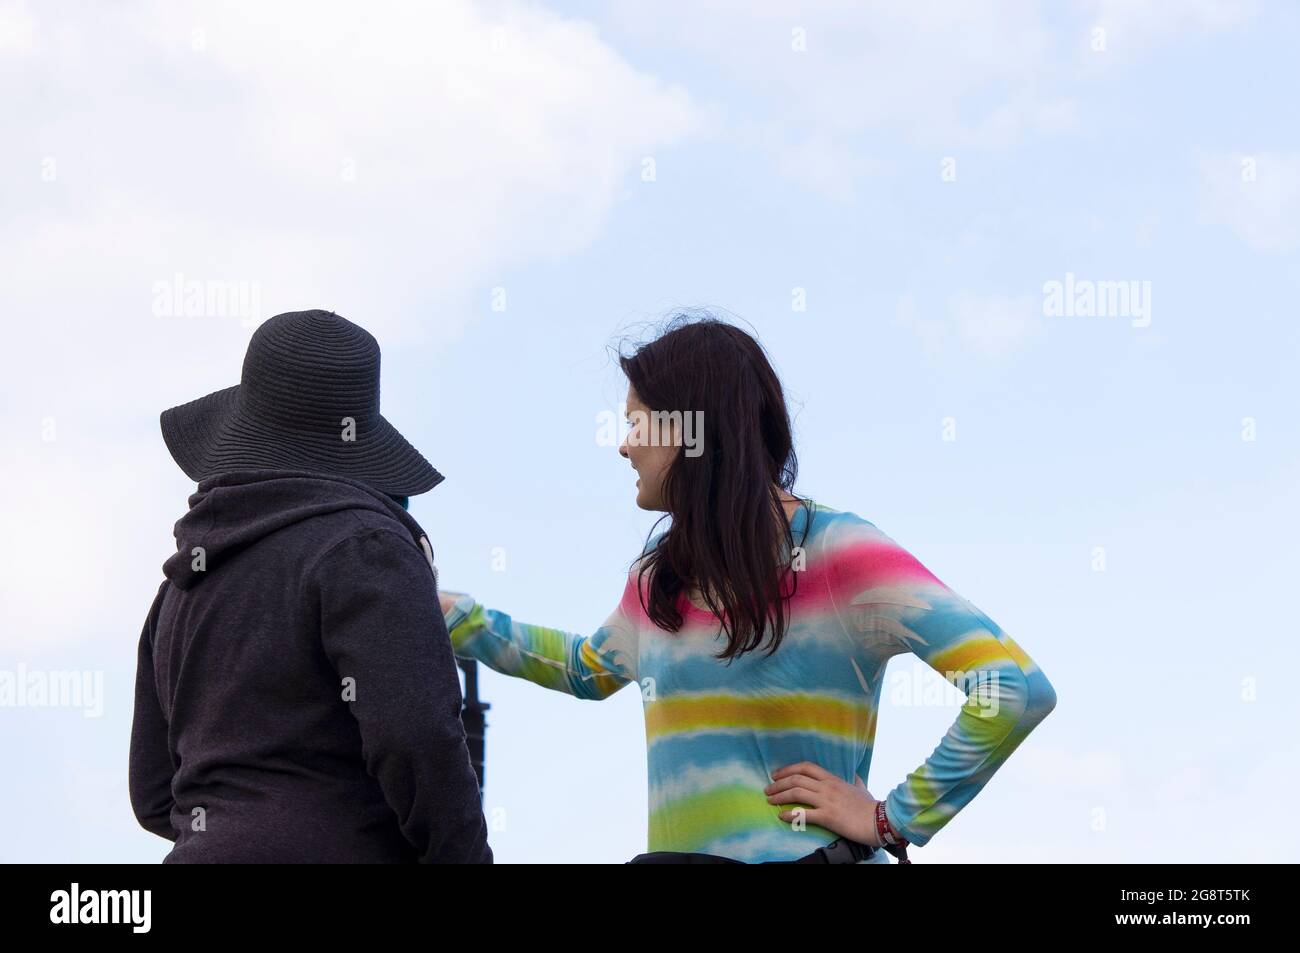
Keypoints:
(291, 704)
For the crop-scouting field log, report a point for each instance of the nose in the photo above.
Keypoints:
(622, 449)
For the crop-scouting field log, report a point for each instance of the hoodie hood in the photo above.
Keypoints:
(234, 510)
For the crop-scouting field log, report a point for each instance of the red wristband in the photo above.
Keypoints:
(884, 829)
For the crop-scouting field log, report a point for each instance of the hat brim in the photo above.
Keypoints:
(210, 435)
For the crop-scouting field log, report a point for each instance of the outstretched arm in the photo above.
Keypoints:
(589, 667)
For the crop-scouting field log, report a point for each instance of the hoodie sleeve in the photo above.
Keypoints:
(589, 667)
(892, 604)
(150, 765)
(382, 630)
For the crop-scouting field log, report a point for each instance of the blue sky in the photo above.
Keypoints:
(1119, 496)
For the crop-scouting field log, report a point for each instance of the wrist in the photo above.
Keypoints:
(871, 830)
(886, 833)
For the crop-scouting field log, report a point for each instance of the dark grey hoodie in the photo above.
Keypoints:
(296, 693)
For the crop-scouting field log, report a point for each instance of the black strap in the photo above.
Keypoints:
(681, 857)
(839, 851)
(899, 851)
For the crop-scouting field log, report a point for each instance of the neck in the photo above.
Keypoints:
(790, 504)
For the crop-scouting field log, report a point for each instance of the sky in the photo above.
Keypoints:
(911, 205)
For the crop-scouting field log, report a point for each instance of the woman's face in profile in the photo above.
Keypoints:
(650, 449)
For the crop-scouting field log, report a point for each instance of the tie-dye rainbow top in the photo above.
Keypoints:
(715, 732)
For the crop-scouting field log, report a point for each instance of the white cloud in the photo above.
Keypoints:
(372, 156)
(1257, 195)
(388, 160)
(943, 74)
(937, 75)
(17, 28)
(992, 327)
(1135, 27)
(823, 165)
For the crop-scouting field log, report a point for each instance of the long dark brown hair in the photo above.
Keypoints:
(730, 538)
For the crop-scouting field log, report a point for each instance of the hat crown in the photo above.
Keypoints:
(308, 370)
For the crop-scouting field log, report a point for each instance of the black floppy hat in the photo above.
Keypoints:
(308, 399)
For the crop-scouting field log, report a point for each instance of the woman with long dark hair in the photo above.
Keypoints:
(758, 626)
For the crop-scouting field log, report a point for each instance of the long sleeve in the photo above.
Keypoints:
(382, 630)
(892, 604)
(150, 764)
(588, 667)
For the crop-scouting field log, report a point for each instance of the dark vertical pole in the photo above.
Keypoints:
(471, 716)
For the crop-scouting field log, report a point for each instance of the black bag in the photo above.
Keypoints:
(840, 851)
